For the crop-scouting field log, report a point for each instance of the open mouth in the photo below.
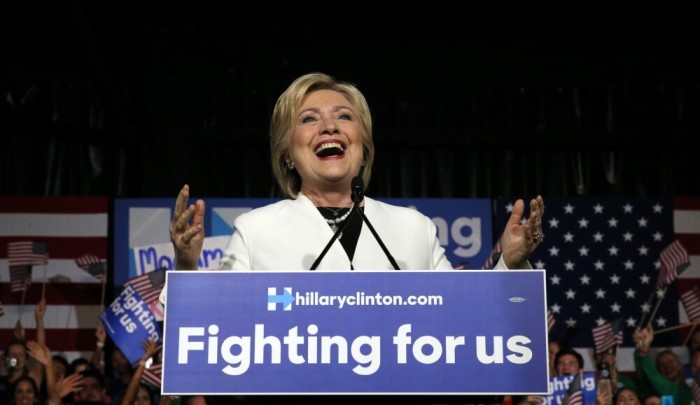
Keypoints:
(329, 149)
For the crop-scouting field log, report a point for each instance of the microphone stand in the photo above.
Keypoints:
(357, 197)
(376, 236)
(330, 243)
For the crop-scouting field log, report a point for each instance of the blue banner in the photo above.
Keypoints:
(399, 332)
(142, 242)
(129, 322)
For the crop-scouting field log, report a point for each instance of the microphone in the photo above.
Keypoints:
(357, 187)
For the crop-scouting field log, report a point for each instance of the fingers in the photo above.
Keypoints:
(534, 222)
(188, 221)
(73, 381)
(181, 201)
(33, 347)
(517, 213)
(194, 212)
(198, 218)
(190, 233)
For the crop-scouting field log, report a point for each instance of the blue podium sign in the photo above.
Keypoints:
(384, 332)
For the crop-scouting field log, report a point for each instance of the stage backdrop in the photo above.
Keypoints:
(142, 241)
(56, 248)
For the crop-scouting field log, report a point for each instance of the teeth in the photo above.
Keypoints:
(329, 145)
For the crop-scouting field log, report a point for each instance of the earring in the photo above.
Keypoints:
(290, 165)
(363, 162)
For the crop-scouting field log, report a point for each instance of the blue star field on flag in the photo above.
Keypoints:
(601, 257)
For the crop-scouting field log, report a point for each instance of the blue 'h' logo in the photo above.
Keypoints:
(286, 299)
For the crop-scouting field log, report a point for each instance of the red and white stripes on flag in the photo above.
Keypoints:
(607, 335)
(93, 265)
(551, 321)
(149, 285)
(686, 227)
(20, 278)
(674, 259)
(27, 253)
(691, 303)
(69, 227)
(153, 375)
(86, 260)
(574, 395)
(2, 310)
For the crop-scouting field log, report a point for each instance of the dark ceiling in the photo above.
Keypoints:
(116, 73)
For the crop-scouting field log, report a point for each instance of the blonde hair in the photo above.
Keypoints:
(284, 116)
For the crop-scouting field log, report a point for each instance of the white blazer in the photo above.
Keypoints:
(291, 234)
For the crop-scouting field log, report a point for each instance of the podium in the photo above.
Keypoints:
(427, 336)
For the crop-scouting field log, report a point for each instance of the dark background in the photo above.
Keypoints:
(135, 98)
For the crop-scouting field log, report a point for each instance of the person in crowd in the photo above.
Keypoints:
(96, 360)
(626, 396)
(93, 389)
(60, 366)
(568, 361)
(693, 366)
(665, 375)
(553, 346)
(18, 362)
(25, 392)
(66, 390)
(564, 361)
(691, 343)
(197, 400)
(78, 365)
(42, 355)
(320, 140)
(121, 373)
(16, 366)
(618, 380)
(138, 393)
(652, 399)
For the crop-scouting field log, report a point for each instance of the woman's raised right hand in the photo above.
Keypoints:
(187, 231)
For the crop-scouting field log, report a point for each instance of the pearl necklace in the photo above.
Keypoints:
(334, 222)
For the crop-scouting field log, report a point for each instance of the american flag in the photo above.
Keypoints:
(87, 260)
(2, 310)
(99, 271)
(574, 395)
(601, 257)
(675, 256)
(149, 285)
(686, 224)
(153, 375)
(20, 278)
(27, 253)
(69, 227)
(607, 336)
(691, 304)
(674, 259)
